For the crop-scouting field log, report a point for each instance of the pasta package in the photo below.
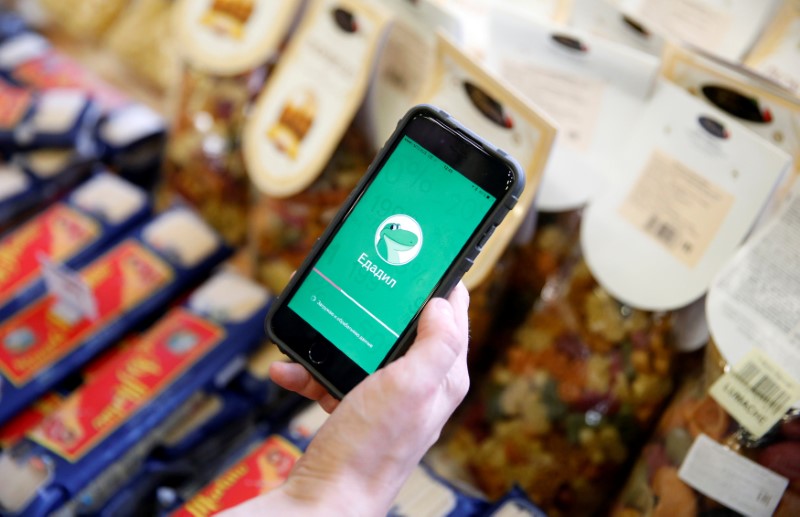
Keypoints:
(570, 399)
(84, 19)
(225, 46)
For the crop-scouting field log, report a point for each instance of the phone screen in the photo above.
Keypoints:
(390, 252)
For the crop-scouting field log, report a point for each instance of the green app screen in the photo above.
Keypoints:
(390, 253)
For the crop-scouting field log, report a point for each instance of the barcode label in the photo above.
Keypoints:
(762, 385)
(756, 392)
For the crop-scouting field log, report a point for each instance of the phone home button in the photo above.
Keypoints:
(318, 353)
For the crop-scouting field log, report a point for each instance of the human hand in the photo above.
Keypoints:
(379, 432)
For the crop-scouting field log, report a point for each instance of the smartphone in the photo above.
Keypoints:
(408, 232)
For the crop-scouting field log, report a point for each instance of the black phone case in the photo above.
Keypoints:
(449, 281)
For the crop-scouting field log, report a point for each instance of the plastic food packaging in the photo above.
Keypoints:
(55, 336)
(204, 163)
(104, 431)
(571, 398)
(284, 229)
(225, 46)
(654, 487)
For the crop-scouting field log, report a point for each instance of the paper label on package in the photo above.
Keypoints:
(314, 92)
(691, 185)
(675, 206)
(465, 90)
(264, 469)
(752, 103)
(230, 36)
(756, 392)
(754, 302)
(114, 395)
(732, 480)
(573, 101)
(59, 234)
(44, 333)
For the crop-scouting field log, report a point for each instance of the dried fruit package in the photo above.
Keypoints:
(466, 89)
(654, 488)
(225, 46)
(204, 165)
(284, 229)
(574, 393)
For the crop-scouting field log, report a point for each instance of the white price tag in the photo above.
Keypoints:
(75, 297)
(732, 480)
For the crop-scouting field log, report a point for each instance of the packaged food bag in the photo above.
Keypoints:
(485, 104)
(105, 430)
(72, 232)
(225, 46)
(586, 374)
(84, 19)
(57, 333)
(299, 152)
(605, 19)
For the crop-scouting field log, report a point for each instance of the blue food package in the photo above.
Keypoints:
(34, 179)
(131, 140)
(514, 504)
(30, 60)
(261, 463)
(16, 106)
(103, 433)
(47, 340)
(60, 118)
(11, 24)
(72, 231)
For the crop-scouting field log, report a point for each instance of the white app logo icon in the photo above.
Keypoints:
(398, 239)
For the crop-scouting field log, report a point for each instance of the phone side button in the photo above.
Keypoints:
(318, 353)
(467, 265)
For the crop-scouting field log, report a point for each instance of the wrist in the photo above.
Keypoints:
(342, 489)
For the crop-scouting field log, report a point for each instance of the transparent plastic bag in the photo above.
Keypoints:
(654, 488)
(567, 404)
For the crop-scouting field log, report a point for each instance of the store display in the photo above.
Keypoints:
(226, 47)
(128, 408)
(71, 232)
(264, 115)
(775, 55)
(54, 336)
